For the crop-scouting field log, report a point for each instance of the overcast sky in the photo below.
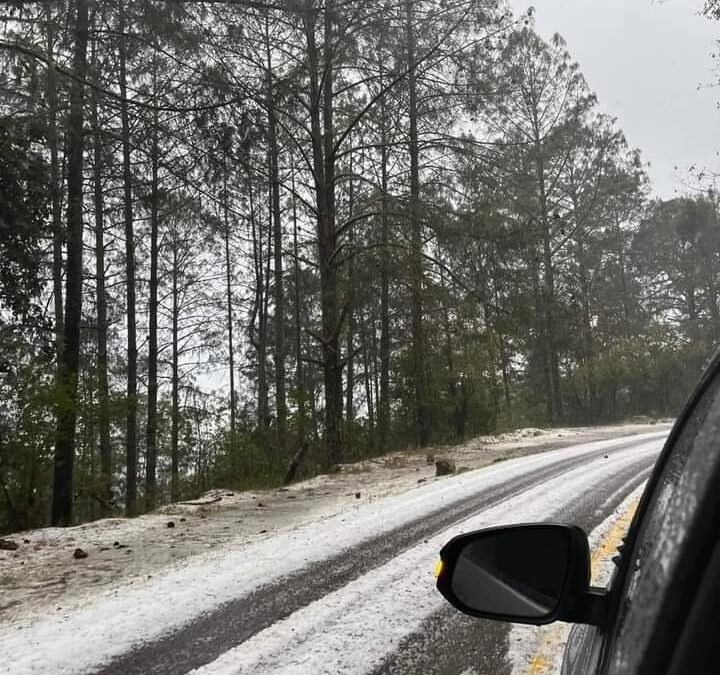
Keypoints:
(645, 60)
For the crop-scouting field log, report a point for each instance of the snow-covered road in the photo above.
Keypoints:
(352, 593)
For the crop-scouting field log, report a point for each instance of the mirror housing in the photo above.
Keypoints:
(535, 574)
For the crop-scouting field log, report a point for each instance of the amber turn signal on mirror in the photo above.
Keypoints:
(532, 574)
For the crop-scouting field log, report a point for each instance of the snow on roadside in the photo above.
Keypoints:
(43, 576)
(538, 650)
(114, 622)
(332, 634)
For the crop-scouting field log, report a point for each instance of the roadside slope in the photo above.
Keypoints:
(122, 620)
(42, 573)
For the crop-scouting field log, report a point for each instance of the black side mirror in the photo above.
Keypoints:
(523, 573)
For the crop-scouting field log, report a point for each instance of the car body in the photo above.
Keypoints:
(660, 614)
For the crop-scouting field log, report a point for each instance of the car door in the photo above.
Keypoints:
(669, 551)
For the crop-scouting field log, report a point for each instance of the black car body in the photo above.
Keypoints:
(660, 614)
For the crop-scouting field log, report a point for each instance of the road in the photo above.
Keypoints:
(349, 594)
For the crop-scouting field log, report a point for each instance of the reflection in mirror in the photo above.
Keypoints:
(517, 573)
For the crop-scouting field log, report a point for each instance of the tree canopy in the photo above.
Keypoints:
(247, 242)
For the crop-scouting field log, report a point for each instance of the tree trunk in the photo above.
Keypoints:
(555, 406)
(295, 462)
(279, 323)
(101, 320)
(175, 413)
(62, 503)
(587, 332)
(548, 296)
(299, 375)
(452, 378)
(620, 243)
(375, 369)
(323, 138)
(693, 312)
(55, 188)
(196, 418)
(131, 419)
(89, 456)
(152, 393)
(331, 320)
(422, 416)
(384, 400)
(368, 377)
(350, 336)
(229, 297)
(259, 314)
(538, 346)
(502, 350)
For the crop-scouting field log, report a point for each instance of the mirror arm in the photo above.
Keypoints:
(590, 607)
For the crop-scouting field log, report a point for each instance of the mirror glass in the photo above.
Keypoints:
(513, 572)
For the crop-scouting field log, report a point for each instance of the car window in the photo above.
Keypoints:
(684, 482)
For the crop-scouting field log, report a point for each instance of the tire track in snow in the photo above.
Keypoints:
(449, 642)
(207, 638)
(356, 628)
(135, 617)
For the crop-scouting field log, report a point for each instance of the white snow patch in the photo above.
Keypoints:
(117, 621)
(353, 629)
(43, 573)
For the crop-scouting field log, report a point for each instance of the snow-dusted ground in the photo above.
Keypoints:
(91, 627)
(43, 576)
(332, 635)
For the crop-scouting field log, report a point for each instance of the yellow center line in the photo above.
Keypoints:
(610, 541)
(550, 637)
(538, 664)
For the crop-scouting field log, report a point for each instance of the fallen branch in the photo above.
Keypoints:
(295, 463)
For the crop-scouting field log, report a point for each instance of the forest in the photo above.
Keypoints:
(245, 242)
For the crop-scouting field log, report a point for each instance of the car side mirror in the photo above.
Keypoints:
(532, 574)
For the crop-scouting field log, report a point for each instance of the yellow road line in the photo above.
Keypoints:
(550, 637)
(538, 664)
(608, 544)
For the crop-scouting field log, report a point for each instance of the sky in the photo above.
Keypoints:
(650, 64)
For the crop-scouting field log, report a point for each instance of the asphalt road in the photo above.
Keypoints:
(441, 641)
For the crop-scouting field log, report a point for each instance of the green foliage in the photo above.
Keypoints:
(26, 386)
(24, 198)
(244, 463)
(26, 434)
